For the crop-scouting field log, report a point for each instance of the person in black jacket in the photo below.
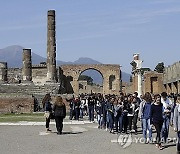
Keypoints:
(46, 102)
(157, 119)
(59, 109)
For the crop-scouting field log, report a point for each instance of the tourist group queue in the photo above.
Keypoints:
(120, 114)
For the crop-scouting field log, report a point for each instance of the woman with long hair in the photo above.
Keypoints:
(59, 109)
(157, 118)
(145, 116)
(46, 102)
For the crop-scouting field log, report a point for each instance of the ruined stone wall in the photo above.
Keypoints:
(127, 88)
(39, 74)
(153, 82)
(85, 88)
(14, 75)
(16, 103)
(172, 73)
(106, 70)
(171, 78)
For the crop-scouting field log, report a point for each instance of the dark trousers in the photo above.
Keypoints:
(47, 122)
(130, 118)
(135, 118)
(111, 121)
(91, 113)
(77, 111)
(59, 123)
(104, 120)
(178, 143)
(71, 114)
(158, 127)
(125, 122)
(118, 123)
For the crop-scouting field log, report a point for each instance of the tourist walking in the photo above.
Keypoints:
(176, 122)
(59, 109)
(167, 107)
(144, 115)
(110, 110)
(48, 110)
(91, 104)
(157, 118)
(118, 114)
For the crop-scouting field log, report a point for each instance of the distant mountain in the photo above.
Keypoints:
(13, 56)
(85, 60)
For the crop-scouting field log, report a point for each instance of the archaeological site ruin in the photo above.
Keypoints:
(33, 81)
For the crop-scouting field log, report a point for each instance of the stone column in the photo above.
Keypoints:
(51, 46)
(3, 72)
(27, 65)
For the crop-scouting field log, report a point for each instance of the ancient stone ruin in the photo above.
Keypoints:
(29, 84)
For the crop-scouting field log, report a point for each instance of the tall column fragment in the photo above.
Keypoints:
(51, 46)
(3, 72)
(27, 65)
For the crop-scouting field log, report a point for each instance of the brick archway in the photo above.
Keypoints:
(106, 70)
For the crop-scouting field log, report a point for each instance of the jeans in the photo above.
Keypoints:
(147, 126)
(77, 113)
(165, 128)
(111, 121)
(100, 120)
(81, 112)
(135, 118)
(178, 143)
(71, 114)
(158, 127)
(118, 123)
(91, 113)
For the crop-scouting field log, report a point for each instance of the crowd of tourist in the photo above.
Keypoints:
(120, 114)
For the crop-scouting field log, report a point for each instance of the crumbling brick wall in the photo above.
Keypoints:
(16, 104)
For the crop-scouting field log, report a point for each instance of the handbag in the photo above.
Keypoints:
(47, 114)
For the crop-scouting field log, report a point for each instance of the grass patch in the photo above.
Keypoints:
(12, 117)
(17, 117)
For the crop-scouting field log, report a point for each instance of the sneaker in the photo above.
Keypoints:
(157, 145)
(161, 147)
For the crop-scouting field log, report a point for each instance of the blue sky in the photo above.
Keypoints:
(109, 31)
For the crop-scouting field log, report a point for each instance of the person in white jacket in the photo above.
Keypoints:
(167, 107)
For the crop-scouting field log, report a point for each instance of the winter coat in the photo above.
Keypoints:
(59, 111)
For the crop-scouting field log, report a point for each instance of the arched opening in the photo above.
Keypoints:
(112, 82)
(90, 81)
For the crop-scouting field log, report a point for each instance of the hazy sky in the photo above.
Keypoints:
(109, 31)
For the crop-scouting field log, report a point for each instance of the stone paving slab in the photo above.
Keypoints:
(26, 123)
(76, 139)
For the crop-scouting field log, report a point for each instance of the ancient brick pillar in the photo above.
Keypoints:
(3, 72)
(27, 65)
(51, 46)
